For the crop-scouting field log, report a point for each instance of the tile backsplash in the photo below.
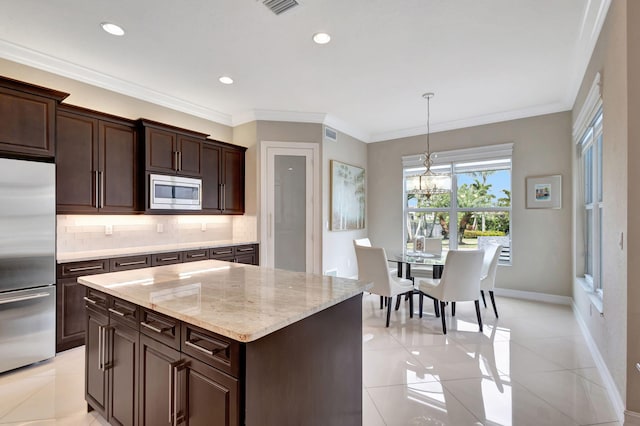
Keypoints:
(78, 233)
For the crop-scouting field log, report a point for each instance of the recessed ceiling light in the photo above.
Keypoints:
(225, 80)
(112, 28)
(321, 38)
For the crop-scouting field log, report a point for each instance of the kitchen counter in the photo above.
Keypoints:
(242, 302)
(127, 251)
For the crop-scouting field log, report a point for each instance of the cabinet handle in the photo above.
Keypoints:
(117, 312)
(101, 178)
(96, 188)
(173, 391)
(93, 302)
(137, 262)
(85, 268)
(224, 196)
(154, 328)
(244, 249)
(179, 160)
(223, 252)
(166, 259)
(197, 255)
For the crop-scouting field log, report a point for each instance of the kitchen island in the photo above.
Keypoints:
(215, 342)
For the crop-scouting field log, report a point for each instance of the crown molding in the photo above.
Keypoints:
(473, 121)
(35, 59)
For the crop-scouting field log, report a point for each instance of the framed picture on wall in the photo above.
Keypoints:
(347, 196)
(544, 192)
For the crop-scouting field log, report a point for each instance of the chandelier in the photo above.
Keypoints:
(428, 183)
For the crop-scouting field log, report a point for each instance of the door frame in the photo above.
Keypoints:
(315, 242)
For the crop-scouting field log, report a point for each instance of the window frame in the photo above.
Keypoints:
(450, 159)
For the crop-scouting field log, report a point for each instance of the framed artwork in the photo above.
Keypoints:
(544, 192)
(347, 196)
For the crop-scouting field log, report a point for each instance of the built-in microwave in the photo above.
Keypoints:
(174, 193)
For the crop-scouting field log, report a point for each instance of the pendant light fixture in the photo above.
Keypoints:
(428, 183)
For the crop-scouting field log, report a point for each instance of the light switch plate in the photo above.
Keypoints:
(108, 229)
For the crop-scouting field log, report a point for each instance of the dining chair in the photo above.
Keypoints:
(460, 282)
(488, 276)
(431, 246)
(366, 242)
(373, 267)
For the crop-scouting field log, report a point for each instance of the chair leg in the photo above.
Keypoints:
(477, 302)
(420, 302)
(381, 302)
(436, 308)
(493, 302)
(444, 322)
(388, 310)
(483, 299)
(410, 296)
(453, 309)
(398, 298)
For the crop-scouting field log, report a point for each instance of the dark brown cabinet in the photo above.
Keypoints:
(96, 163)
(27, 118)
(223, 178)
(172, 150)
(247, 254)
(111, 352)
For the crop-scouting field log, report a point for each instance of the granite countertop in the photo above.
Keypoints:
(242, 302)
(130, 251)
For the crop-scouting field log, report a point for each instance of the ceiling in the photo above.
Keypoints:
(486, 61)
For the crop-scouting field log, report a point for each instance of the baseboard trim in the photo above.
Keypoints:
(618, 404)
(532, 295)
(631, 418)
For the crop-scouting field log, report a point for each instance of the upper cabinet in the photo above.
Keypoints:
(223, 178)
(172, 150)
(27, 118)
(97, 167)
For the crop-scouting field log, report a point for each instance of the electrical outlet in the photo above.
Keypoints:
(160, 228)
(204, 227)
(108, 229)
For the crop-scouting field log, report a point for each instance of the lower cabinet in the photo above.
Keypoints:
(138, 376)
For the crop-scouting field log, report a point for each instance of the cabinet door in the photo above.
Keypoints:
(118, 168)
(247, 258)
(123, 375)
(213, 397)
(95, 360)
(190, 156)
(27, 123)
(211, 196)
(70, 314)
(157, 385)
(160, 151)
(233, 181)
(76, 163)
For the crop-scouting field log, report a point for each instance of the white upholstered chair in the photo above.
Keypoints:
(488, 276)
(460, 282)
(373, 267)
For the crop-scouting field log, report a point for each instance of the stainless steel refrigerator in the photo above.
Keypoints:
(27, 262)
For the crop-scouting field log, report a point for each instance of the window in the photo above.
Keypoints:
(475, 212)
(592, 205)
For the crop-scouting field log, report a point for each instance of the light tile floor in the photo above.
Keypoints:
(530, 367)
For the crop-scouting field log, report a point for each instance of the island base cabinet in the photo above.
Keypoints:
(95, 373)
(122, 376)
(213, 397)
(158, 383)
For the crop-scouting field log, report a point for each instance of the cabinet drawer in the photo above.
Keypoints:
(166, 258)
(96, 299)
(218, 252)
(78, 269)
(211, 348)
(129, 262)
(245, 249)
(160, 327)
(124, 312)
(194, 255)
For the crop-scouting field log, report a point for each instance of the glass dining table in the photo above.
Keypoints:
(405, 259)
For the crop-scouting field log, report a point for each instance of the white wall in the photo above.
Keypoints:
(541, 146)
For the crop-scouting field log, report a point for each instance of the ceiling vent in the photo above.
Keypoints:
(280, 6)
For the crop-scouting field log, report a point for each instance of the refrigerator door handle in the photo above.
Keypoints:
(21, 298)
